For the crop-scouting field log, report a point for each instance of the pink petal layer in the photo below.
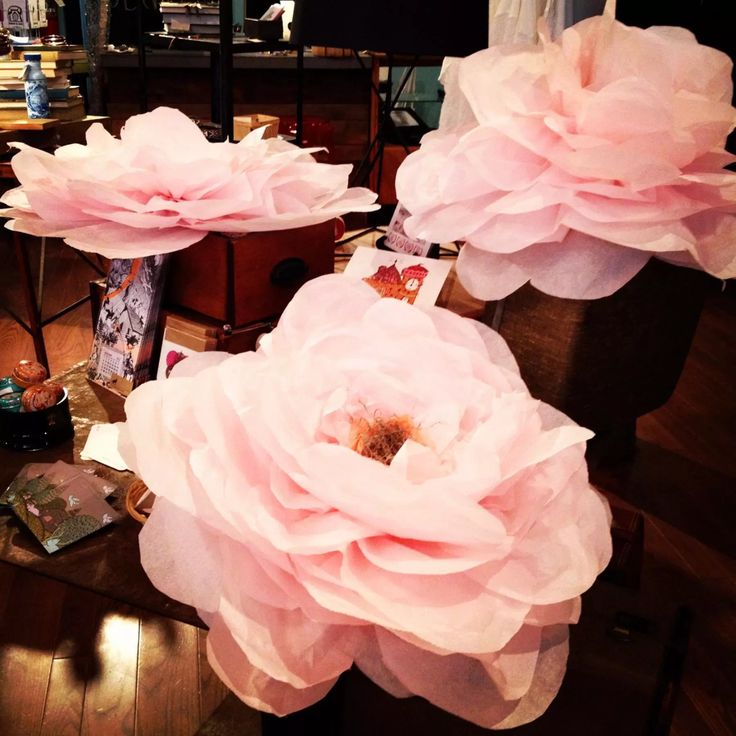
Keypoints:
(580, 267)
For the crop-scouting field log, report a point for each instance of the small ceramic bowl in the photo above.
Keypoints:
(36, 430)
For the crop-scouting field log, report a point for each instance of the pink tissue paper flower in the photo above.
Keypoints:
(374, 485)
(163, 186)
(584, 157)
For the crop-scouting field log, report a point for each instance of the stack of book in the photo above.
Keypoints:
(57, 64)
(197, 19)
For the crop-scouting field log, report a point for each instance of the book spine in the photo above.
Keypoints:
(64, 114)
(52, 56)
(19, 94)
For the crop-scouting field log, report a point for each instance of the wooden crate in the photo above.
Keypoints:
(239, 280)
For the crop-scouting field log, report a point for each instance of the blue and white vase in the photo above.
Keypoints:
(37, 96)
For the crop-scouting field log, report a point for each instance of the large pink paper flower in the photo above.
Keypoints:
(586, 157)
(374, 485)
(162, 186)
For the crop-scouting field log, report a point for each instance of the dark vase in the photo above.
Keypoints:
(605, 362)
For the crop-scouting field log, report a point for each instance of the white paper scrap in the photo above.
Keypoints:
(102, 446)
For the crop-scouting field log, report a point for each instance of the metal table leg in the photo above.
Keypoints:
(35, 326)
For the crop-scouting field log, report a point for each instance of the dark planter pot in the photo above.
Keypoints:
(607, 361)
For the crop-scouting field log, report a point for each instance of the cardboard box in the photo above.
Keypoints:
(176, 345)
(187, 333)
(331, 52)
(244, 124)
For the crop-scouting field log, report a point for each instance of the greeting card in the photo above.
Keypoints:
(60, 503)
(408, 278)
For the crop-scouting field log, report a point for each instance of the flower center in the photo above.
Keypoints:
(380, 439)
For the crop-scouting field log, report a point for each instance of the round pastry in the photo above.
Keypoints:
(42, 396)
(8, 386)
(11, 402)
(28, 373)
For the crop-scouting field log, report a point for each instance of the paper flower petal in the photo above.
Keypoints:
(579, 267)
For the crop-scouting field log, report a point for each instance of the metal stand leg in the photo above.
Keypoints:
(29, 294)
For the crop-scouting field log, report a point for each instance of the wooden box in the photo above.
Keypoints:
(263, 30)
(244, 124)
(251, 278)
(202, 333)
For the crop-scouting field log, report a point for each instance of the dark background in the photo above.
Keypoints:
(421, 27)
(712, 21)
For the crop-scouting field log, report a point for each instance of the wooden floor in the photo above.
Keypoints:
(72, 662)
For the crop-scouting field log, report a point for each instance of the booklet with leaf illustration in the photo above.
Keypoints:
(60, 503)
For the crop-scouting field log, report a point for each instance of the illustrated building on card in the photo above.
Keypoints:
(404, 285)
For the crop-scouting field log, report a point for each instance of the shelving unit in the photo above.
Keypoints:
(221, 68)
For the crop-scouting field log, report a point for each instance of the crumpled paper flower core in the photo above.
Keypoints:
(163, 186)
(582, 158)
(381, 439)
(374, 486)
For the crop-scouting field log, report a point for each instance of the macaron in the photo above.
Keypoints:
(42, 396)
(28, 373)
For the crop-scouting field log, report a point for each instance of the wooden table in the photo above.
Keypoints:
(107, 562)
(65, 132)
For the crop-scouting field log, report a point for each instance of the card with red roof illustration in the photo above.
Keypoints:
(408, 278)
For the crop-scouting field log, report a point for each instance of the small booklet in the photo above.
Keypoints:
(124, 336)
(60, 503)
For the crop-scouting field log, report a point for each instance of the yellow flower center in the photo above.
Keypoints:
(380, 439)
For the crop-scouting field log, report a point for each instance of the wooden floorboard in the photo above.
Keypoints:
(66, 279)
(27, 638)
(64, 705)
(75, 662)
(110, 698)
(81, 664)
(168, 679)
(212, 691)
(687, 720)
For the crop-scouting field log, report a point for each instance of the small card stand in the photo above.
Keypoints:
(263, 30)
